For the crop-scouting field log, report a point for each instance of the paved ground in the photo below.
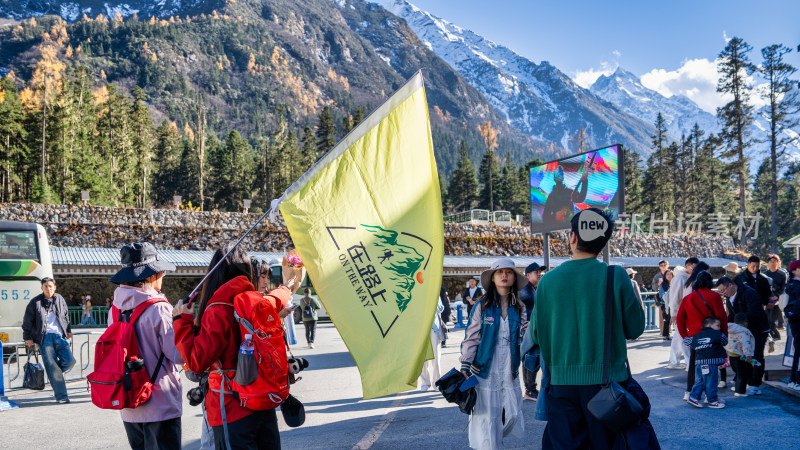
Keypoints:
(338, 418)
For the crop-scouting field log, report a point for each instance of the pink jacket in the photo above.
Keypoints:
(155, 335)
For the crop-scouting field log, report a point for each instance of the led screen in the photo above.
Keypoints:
(561, 188)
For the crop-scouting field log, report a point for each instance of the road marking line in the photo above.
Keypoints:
(375, 433)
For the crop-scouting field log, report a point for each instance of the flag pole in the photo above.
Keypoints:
(190, 298)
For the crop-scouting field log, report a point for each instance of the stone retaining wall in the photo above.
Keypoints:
(80, 226)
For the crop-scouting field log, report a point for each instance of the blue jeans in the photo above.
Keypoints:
(57, 359)
(707, 383)
(88, 320)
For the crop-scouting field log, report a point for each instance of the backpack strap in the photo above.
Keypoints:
(115, 312)
(143, 306)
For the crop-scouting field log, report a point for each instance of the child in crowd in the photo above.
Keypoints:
(708, 345)
(741, 346)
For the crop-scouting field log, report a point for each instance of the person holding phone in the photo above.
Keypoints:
(491, 351)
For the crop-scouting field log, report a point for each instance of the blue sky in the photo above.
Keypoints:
(671, 44)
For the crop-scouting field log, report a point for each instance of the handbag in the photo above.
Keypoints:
(34, 374)
(613, 406)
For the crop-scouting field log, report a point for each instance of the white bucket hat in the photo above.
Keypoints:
(503, 263)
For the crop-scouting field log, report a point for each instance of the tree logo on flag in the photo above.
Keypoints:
(382, 266)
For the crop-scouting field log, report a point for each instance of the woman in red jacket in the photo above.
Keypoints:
(213, 337)
(701, 303)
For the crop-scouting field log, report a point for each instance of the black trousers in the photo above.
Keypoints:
(774, 316)
(529, 376)
(164, 435)
(569, 423)
(758, 355)
(258, 431)
(742, 369)
(311, 328)
(795, 328)
(690, 377)
(667, 319)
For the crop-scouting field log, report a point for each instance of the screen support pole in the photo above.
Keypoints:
(546, 251)
(606, 255)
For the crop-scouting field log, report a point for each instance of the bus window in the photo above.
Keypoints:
(18, 245)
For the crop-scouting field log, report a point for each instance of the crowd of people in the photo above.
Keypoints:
(515, 327)
(731, 322)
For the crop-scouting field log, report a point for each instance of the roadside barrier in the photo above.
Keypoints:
(83, 363)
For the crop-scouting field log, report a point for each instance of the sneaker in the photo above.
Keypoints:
(754, 391)
(792, 385)
(733, 388)
(739, 395)
(311, 345)
(676, 366)
(444, 345)
(531, 396)
(686, 396)
(694, 403)
(705, 400)
(63, 400)
(716, 405)
(424, 388)
(796, 387)
(721, 384)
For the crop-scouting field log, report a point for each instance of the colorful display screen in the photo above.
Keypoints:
(561, 188)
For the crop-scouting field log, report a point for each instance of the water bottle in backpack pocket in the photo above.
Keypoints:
(247, 365)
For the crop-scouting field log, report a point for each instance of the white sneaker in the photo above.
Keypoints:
(424, 388)
(754, 391)
(676, 366)
(794, 386)
(686, 396)
(721, 384)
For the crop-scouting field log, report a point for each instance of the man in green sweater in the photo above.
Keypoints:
(568, 324)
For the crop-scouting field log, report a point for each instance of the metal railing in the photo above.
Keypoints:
(81, 363)
(651, 311)
(98, 316)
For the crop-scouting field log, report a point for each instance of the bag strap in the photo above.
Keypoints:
(608, 315)
(143, 306)
(158, 367)
(711, 311)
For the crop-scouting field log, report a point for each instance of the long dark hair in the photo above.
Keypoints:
(236, 264)
(491, 297)
(704, 281)
(701, 266)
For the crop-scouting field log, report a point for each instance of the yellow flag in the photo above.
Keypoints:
(367, 221)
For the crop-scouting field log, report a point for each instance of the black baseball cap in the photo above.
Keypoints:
(533, 267)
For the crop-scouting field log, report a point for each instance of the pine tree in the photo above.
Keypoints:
(358, 115)
(309, 153)
(14, 150)
(489, 173)
(632, 164)
(326, 131)
(462, 191)
(736, 116)
(782, 100)
(489, 135)
(143, 141)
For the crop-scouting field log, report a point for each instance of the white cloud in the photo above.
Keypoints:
(725, 36)
(696, 79)
(617, 53)
(586, 79)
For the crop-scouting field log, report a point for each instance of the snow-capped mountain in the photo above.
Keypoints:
(71, 10)
(626, 91)
(537, 99)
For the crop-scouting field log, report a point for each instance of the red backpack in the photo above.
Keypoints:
(258, 316)
(120, 378)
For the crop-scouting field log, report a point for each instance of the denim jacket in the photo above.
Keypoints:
(489, 321)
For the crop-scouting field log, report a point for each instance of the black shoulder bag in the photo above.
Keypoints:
(613, 405)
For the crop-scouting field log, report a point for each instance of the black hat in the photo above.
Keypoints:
(294, 414)
(533, 267)
(139, 261)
